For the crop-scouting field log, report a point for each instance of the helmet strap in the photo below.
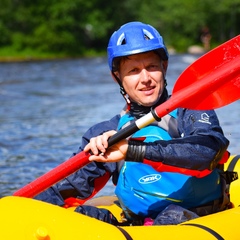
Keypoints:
(122, 90)
(125, 96)
(165, 82)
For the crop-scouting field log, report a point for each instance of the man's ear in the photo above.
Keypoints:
(165, 65)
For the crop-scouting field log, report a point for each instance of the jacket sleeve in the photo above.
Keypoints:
(199, 148)
(87, 181)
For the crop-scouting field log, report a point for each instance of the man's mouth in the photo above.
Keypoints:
(148, 90)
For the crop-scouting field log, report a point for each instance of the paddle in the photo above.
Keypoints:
(210, 82)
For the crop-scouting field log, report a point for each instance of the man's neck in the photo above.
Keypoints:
(138, 110)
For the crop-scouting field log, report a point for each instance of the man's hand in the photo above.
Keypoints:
(100, 151)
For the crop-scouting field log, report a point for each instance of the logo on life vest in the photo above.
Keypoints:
(204, 118)
(149, 178)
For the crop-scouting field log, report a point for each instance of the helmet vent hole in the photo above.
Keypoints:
(147, 35)
(121, 40)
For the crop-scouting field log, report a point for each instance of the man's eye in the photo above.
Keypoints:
(154, 66)
(133, 70)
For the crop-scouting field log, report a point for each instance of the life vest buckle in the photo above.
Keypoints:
(230, 176)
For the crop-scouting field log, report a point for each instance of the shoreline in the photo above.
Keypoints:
(40, 59)
(194, 49)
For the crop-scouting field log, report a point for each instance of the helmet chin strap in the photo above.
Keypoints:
(165, 82)
(124, 94)
(122, 91)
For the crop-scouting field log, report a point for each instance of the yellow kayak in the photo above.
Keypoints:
(28, 219)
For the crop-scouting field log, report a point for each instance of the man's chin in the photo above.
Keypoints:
(148, 104)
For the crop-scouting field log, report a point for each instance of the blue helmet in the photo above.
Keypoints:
(133, 38)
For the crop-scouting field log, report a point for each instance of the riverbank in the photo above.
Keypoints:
(10, 59)
(8, 54)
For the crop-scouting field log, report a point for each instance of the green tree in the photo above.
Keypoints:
(77, 26)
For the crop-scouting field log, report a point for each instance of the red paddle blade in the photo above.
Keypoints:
(218, 69)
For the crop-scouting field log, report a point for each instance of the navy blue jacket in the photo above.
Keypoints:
(200, 146)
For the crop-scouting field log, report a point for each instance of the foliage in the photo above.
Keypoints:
(75, 27)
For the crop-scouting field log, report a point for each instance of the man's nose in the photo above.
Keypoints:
(145, 75)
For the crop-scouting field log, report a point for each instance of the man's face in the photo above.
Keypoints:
(142, 76)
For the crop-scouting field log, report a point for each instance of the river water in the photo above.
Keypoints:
(46, 106)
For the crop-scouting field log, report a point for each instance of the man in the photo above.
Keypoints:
(171, 162)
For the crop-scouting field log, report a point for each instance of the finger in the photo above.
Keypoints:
(105, 138)
(98, 158)
(101, 142)
(92, 146)
(87, 148)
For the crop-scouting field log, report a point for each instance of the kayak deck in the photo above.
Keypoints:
(24, 218)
